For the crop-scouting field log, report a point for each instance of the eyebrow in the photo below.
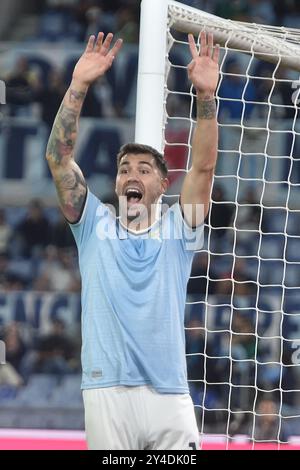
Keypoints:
(140, 163)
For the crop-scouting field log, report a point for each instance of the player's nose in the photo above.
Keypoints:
(133, 178)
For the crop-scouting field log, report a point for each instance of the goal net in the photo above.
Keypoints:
(242, 312)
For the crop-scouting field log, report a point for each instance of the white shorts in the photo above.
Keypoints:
(138, 418)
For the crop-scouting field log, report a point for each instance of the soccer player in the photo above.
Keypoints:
(135, 268)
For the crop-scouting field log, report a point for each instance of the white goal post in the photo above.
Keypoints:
(246, 317)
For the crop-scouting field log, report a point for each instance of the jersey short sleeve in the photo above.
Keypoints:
(191, 238)
(84, 227)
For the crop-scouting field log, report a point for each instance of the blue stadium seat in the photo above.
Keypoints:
(292, 249)
(292, 275)
(21, 267)
(38, 390)
(58, 25)
(276, 220)
(272, 246)
(68, 393)
(271, 272)
(293, 223)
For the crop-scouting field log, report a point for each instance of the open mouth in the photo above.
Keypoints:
(134, 195)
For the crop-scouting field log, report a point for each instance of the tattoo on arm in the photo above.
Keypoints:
(64, 132)
(63, 136)
(69, 181)
(206, 109)
(76, 97)
(71, 189)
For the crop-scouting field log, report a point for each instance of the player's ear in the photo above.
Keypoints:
(165, 184)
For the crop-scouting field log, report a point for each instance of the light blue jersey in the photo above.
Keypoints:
(133, 299)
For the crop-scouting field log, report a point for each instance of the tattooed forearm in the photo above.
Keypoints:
(64, 132)
(63, 136)
(76, 97)
(69, 181)
(71, 189)
(72, 180)
(206, 109)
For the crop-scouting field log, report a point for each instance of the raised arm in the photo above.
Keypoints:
(203, 71)
(69, 181)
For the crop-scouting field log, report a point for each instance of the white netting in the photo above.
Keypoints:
(242, 315)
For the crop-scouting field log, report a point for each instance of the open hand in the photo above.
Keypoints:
(203, 70)
(96, 59)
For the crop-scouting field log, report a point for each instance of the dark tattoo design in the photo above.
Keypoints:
(71, 189)
(64, 132)
(69, 181)
(63, 136)
(76, 96)
(206, 109)
(72, 180)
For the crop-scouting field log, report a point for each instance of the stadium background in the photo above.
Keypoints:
(39, 279)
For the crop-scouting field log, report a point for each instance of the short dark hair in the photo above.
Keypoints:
(135, 149)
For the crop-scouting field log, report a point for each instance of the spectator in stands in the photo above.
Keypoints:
(67, 346)
(34, 231)
(221, 214)
(243, 338)
(50, 95)
(47, 358)
(202, 278)
(285, 95)
(248, 223)
(9, 280)
(292, 14)
(3, 269)
(243, 283)
(15, 346)
(92, 106)
(288, 97)
(249, 217)
(98, 100)
(235, 10)
(201, 366)
(242, 351)
(61, 236)
(127, 24)
(5, 232)
(9, 376)
(281, 9)
(19, 86)
(268, 425)
(111, 6)
(238, 282)
(15, 282)
(54, 353)
(96, 21)
(261, 11)
(195, 346)
(204, 5)
(59, 274)
(263, 87)
(233, 86)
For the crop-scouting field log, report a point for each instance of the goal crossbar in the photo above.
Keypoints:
(277, 45)
(270, 43)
